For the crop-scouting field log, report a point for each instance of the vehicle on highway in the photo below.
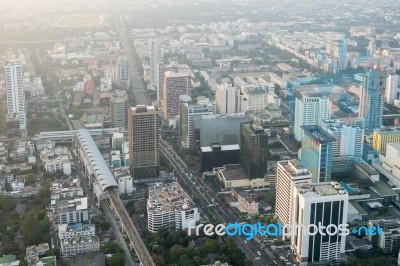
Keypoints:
(259, 253)
(245, 242)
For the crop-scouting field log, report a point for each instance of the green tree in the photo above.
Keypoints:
(176, 251)
(54, 252)
(211, 245)
(184, 260)
(111, 248)
(7, 204)
(30, 179)
(117, 259)
(64, 262)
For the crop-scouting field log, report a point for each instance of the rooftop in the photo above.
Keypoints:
(317, 133)
(388, 131)
(168, 197)
(77, 204)
(78, 227)
(394, 145)
(294, 167)
(233, 172)
(7, 259)
(358, 207)
(383, 189)
(223, 148)
(171, 74)
(320, 189)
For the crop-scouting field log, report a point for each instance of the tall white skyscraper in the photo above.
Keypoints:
(288, 174)
(123, 78)
(15, 92)
(155, 58)
(392, 88)
(310, 111)
(324, 203)
(349, 137)
(229, 100)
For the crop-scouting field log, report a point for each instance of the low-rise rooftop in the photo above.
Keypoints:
(320, 189)
(168, 197)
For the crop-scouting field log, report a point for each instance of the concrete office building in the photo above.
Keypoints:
(78, 238)
(325, 203)
(161, 69)
(349, 138)
(124, 180)
(117, 141)
(170, 207)
(175, 84)
(257, 99)
(14, 80)
(317, 153)
(144, 161)
(253, 150)
(390, 166)
(155, 58)
(72, 211)
(392, 88)
(380, 138)
(228, 100)
(119, 105)
(123, 79)
(188, 111)
(310, 111)
(288, 174)
(371, 100)
(338, 49)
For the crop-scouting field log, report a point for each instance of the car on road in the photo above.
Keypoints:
(245, 242)
(259, 253)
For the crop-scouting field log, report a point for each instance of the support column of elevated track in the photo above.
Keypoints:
(127, 224)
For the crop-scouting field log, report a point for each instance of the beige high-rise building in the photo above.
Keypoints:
(144, 161)
(175, 84)
(229, 100)
(288, 174)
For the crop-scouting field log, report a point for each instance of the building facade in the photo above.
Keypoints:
(175, 84)
(325, 203)
(253, 150)
(228, 100)
(119, 105)
(155, 58)
(349, 138)
(188, 111)
(288, 174)
(317, 153)
(380, 139)
(72, 211)
(371, 100)
(310, 111)
(123, 79)
(392, 88)
(13, 74)
(170, 207)
(143, 140)
(78, 238)
(217, 128)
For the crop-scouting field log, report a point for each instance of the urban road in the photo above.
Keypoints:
(211, 205)
(136, 80)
